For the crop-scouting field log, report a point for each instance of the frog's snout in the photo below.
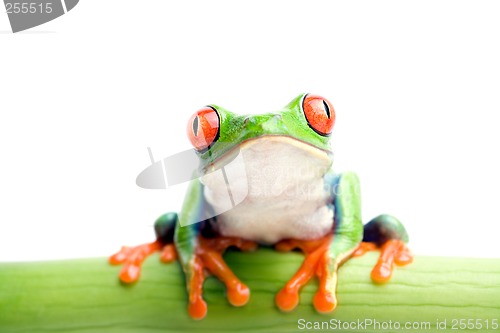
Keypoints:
(270, 121)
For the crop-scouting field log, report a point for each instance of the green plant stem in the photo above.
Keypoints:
(85, 296)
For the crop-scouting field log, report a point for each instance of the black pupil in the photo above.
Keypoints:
(327, 109)
(195, 126)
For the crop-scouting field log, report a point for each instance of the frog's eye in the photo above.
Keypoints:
(319, 113)
(203, 128)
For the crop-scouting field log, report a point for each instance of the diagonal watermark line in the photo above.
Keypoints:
(228, 186)
(64, 6)
(150, 152)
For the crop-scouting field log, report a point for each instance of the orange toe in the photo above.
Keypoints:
(238, 295)
(403, 257)
(120, 256)
(130, 273)
(381, 273)
(287, 300)
(197, 309)
(324, 302)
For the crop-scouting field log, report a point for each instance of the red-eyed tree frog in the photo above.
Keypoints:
(292, 200)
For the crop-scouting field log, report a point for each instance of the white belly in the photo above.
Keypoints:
(280, 186)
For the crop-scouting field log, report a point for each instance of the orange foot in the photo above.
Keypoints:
(316, 263)
(133, 257)
(391, 252)
(208, 256)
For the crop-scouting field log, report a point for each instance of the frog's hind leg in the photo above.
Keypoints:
(133, 257)
(388, 234)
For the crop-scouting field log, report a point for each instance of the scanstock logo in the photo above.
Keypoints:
(25, 14)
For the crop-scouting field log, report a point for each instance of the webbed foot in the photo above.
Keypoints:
(317, 262)
(133, 257)
(392, 252)
(208, 257)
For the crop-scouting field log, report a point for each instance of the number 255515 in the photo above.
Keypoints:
(28, 7)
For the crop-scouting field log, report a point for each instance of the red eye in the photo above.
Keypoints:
(319, 113)
(203, 128)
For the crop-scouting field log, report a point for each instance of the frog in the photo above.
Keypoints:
(292, 200)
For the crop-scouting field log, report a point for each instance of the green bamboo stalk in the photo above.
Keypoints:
(85, 296)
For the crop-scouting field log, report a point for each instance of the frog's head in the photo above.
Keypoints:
(306, 122)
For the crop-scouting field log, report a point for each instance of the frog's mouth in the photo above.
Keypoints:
(281, 150)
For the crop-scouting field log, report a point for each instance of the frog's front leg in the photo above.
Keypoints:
(324, 256)
(133, 257)
(199, 253)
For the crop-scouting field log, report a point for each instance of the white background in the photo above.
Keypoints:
(415, 86)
